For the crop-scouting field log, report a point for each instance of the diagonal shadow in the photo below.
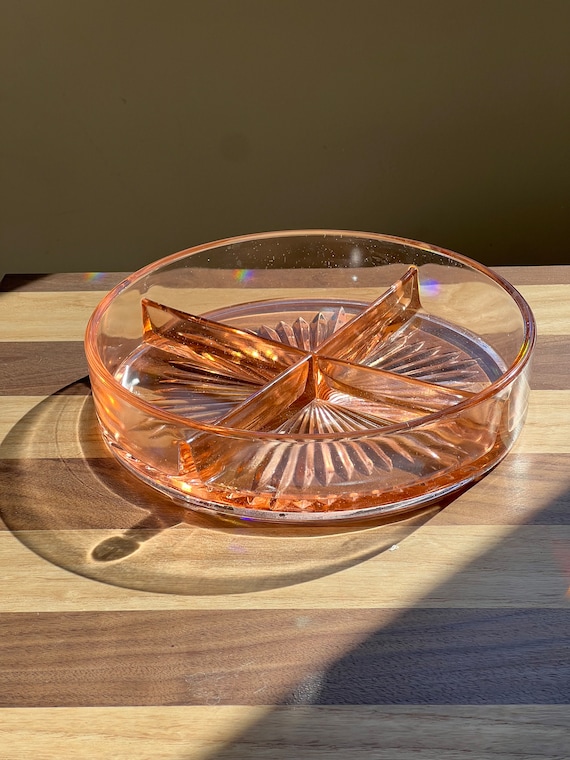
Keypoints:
(492, 636)
(477, 667)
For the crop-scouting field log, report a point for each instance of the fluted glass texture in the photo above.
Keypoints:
(312, 375)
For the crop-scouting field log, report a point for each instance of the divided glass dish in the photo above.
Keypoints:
(309, 376)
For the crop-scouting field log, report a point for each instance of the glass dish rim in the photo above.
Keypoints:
(96, 365)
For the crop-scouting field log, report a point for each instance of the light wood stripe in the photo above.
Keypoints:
(69, 311)
(434, 565)
(64, 317)
(547, 428)
(38, 428)
(550, 305)
(310, 732)
(43, 316)
(124, 733)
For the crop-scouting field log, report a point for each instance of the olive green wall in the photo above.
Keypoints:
(132, 129)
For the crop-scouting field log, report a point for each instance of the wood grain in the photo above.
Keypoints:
(547, 427)
(535, 275)
(433, 565)
(42, 316)
(61, 282)
(70, 311)
(310, 732)
(64, 426)
(38, 368)
(67, 281)
(550, 305)
(435, 656)
(551, 363)
(523, 489)
(132, 627)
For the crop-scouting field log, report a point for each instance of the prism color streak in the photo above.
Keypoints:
(314, 407)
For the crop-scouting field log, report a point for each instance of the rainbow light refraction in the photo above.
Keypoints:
(430, 287)
(243, 275)
(93, 276)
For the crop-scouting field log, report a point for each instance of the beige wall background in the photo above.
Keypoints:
(132, 129)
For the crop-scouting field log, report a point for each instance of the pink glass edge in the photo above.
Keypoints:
(96, 365)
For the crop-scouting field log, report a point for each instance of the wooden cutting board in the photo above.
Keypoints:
(132, 628)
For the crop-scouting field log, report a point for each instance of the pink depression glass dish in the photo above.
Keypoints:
(310, 375)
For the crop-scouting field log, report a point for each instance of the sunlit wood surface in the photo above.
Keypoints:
(132, 628)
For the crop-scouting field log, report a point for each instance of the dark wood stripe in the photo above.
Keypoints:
(78, 494)
(551, 363)
(42, 368)
(104, 281)
(57, 283)
(392, 732)
(420, 656)
(444, 656)
(539, 275)
(523, 489)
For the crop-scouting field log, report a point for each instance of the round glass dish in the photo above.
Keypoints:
(310, 375)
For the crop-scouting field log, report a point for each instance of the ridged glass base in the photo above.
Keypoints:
(312, 408)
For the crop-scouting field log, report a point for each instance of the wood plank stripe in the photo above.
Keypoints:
(310, 732)
(64, 426)
(38, 368)
(452, 657)
(387, 567)
(42, 368)
(70, 311)
(40, 316)
(67, 281)
(61, 282)
(144, 733)
(539, 275)
(550, 305)
(547, 428)
(436, 656)
(524, 488)
(551, 363)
